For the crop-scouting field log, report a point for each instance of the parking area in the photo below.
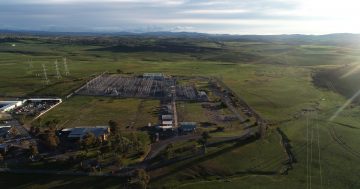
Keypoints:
(34, 107)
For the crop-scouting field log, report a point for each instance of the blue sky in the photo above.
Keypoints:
(207, 16)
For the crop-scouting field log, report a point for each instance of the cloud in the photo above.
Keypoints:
(223, 16)
(215, 11)
(158, 2)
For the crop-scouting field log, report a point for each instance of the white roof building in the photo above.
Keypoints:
(6, 106)
(167, 123)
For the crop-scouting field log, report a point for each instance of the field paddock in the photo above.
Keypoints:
(274, 78)
(91, 111)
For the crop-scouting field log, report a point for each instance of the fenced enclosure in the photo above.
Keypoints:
(138, 87)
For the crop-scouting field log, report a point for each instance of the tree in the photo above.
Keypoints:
(33, 150)
(105, 148)
(169, 152)
(38, 122)
(136, 143)
(117, 143)
(55, 122)
(194, 149)
(142, 178)
(50, 139)
(139, 185)
(113, 126)
(34, 130)
(1, 157)
(88, 140)
(220, 129)
(119, 161)
(204, 139)
(81, 157)
(205, 136)
(13, 131)
(119, 71)
(37, 130)
(53, 141)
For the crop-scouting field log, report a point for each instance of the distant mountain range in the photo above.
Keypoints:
(328, 39)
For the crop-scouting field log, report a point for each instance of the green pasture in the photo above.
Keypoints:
(276, 80)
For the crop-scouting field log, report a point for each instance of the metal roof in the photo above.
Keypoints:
(167, 117)
(153, 75)
(187, 123)
(80, 132)
(188, 126)
(167, 122)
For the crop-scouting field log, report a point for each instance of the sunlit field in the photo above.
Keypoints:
(280, 81)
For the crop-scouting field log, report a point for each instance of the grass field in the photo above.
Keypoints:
(275, 79)
(56, 181)
(93, 111)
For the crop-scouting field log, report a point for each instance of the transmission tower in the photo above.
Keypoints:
(47, 81)
(67, 72)
(31, 64)
(58, 75)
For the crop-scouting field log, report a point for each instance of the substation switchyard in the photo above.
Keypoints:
(155, 86)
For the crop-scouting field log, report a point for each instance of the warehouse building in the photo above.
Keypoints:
(6, 106)
(187, 127)
(155, 76)
(78, 133)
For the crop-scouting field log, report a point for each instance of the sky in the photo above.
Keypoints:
(205, 16)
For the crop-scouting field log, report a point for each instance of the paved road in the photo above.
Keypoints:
(225, 99)
(156, 148)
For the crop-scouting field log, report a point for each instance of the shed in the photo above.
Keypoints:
(187, 126)
(100, 132)
(167, 117)
(167, 123)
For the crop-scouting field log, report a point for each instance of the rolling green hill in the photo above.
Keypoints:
(296, 83)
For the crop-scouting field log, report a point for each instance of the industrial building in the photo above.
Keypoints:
(155, 76)
(6, 106)
(4, 130)
(186, 127)
(101, 132)
(167, 122)
(167, 117)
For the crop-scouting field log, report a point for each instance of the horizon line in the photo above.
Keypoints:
(3, 31)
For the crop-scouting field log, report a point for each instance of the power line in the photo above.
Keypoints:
(311, 154)
(319, 150)
(307, 150)
(67, 72)
(58, 75)
(31, 64)
(47, 81)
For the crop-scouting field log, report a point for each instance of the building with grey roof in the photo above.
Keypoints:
(100, 132)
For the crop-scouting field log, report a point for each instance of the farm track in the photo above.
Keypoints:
(137, 114)
(263, 98)
(319, 151)
(339, 140)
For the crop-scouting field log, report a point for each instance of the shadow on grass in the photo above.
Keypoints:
(10, 180)
(196, 160)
